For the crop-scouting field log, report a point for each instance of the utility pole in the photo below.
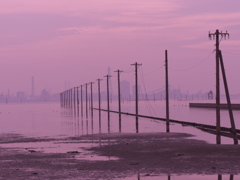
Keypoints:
(108, 106)
(99, 104)
(136, 92)
(86, 102)
(77, 97)
(81, 101)
(91, 99)
(233, 128)
(74, 97)
(167, 91)
(68, 98)
(119, 100)
(65, 97)
(74, 100)
(77, 101)
(71, 99)
(218, 125)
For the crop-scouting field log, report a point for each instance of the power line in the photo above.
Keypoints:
(232, 53)
(190, 68)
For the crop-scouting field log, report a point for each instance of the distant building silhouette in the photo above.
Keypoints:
(210, 95)
(21, 95)
(125, 89)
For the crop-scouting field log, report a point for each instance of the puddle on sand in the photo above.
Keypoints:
(181, 177)
(76, 148)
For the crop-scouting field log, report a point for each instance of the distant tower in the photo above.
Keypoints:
(33, 88)
(65, 86)
(68, 85)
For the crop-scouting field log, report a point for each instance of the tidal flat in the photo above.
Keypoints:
(115, 156)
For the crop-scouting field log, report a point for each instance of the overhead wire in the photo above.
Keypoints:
(129, 70)
(144, 88)
(203, 60)
(231, 53)
(147, 103)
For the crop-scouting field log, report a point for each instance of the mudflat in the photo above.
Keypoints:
(127, 155)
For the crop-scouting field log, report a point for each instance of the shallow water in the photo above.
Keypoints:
(78, 149)
(49, 120)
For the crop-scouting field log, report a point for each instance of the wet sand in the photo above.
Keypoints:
(146, 154)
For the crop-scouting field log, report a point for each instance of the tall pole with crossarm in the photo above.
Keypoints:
(136, 93)
(216, 36)
(119, 100)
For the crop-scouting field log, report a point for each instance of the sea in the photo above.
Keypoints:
(49, 120)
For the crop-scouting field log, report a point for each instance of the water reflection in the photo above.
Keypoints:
(43, 119)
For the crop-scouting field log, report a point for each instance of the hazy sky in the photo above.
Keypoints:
(77, 40)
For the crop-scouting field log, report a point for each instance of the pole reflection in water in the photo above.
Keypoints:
(100, 128)
(82, 124)
(78, 126)
(92, 124)
(77, 102)
(81, 102)
(219, 177)
(78, 111)
(86, 102)
(74, 101)
(99, 105)
(87, 125)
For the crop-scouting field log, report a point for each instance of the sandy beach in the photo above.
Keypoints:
(148, 154)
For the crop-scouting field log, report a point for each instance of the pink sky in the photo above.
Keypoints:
(75, 40)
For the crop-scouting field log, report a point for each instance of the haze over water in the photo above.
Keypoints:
(49, 119)
(64, 44)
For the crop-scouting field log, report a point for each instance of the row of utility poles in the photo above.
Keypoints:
(68, 100)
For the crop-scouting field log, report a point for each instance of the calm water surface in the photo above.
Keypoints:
(50, 120)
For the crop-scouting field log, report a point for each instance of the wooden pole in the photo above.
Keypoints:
(81, 101)
(69, 99)
(99, 104)
(108, 105)
(119, 101)
(86, 102)
(167, 92)
(74, 97)
(218, 125)
(136, 94)
(91, 99)
(77, 102)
